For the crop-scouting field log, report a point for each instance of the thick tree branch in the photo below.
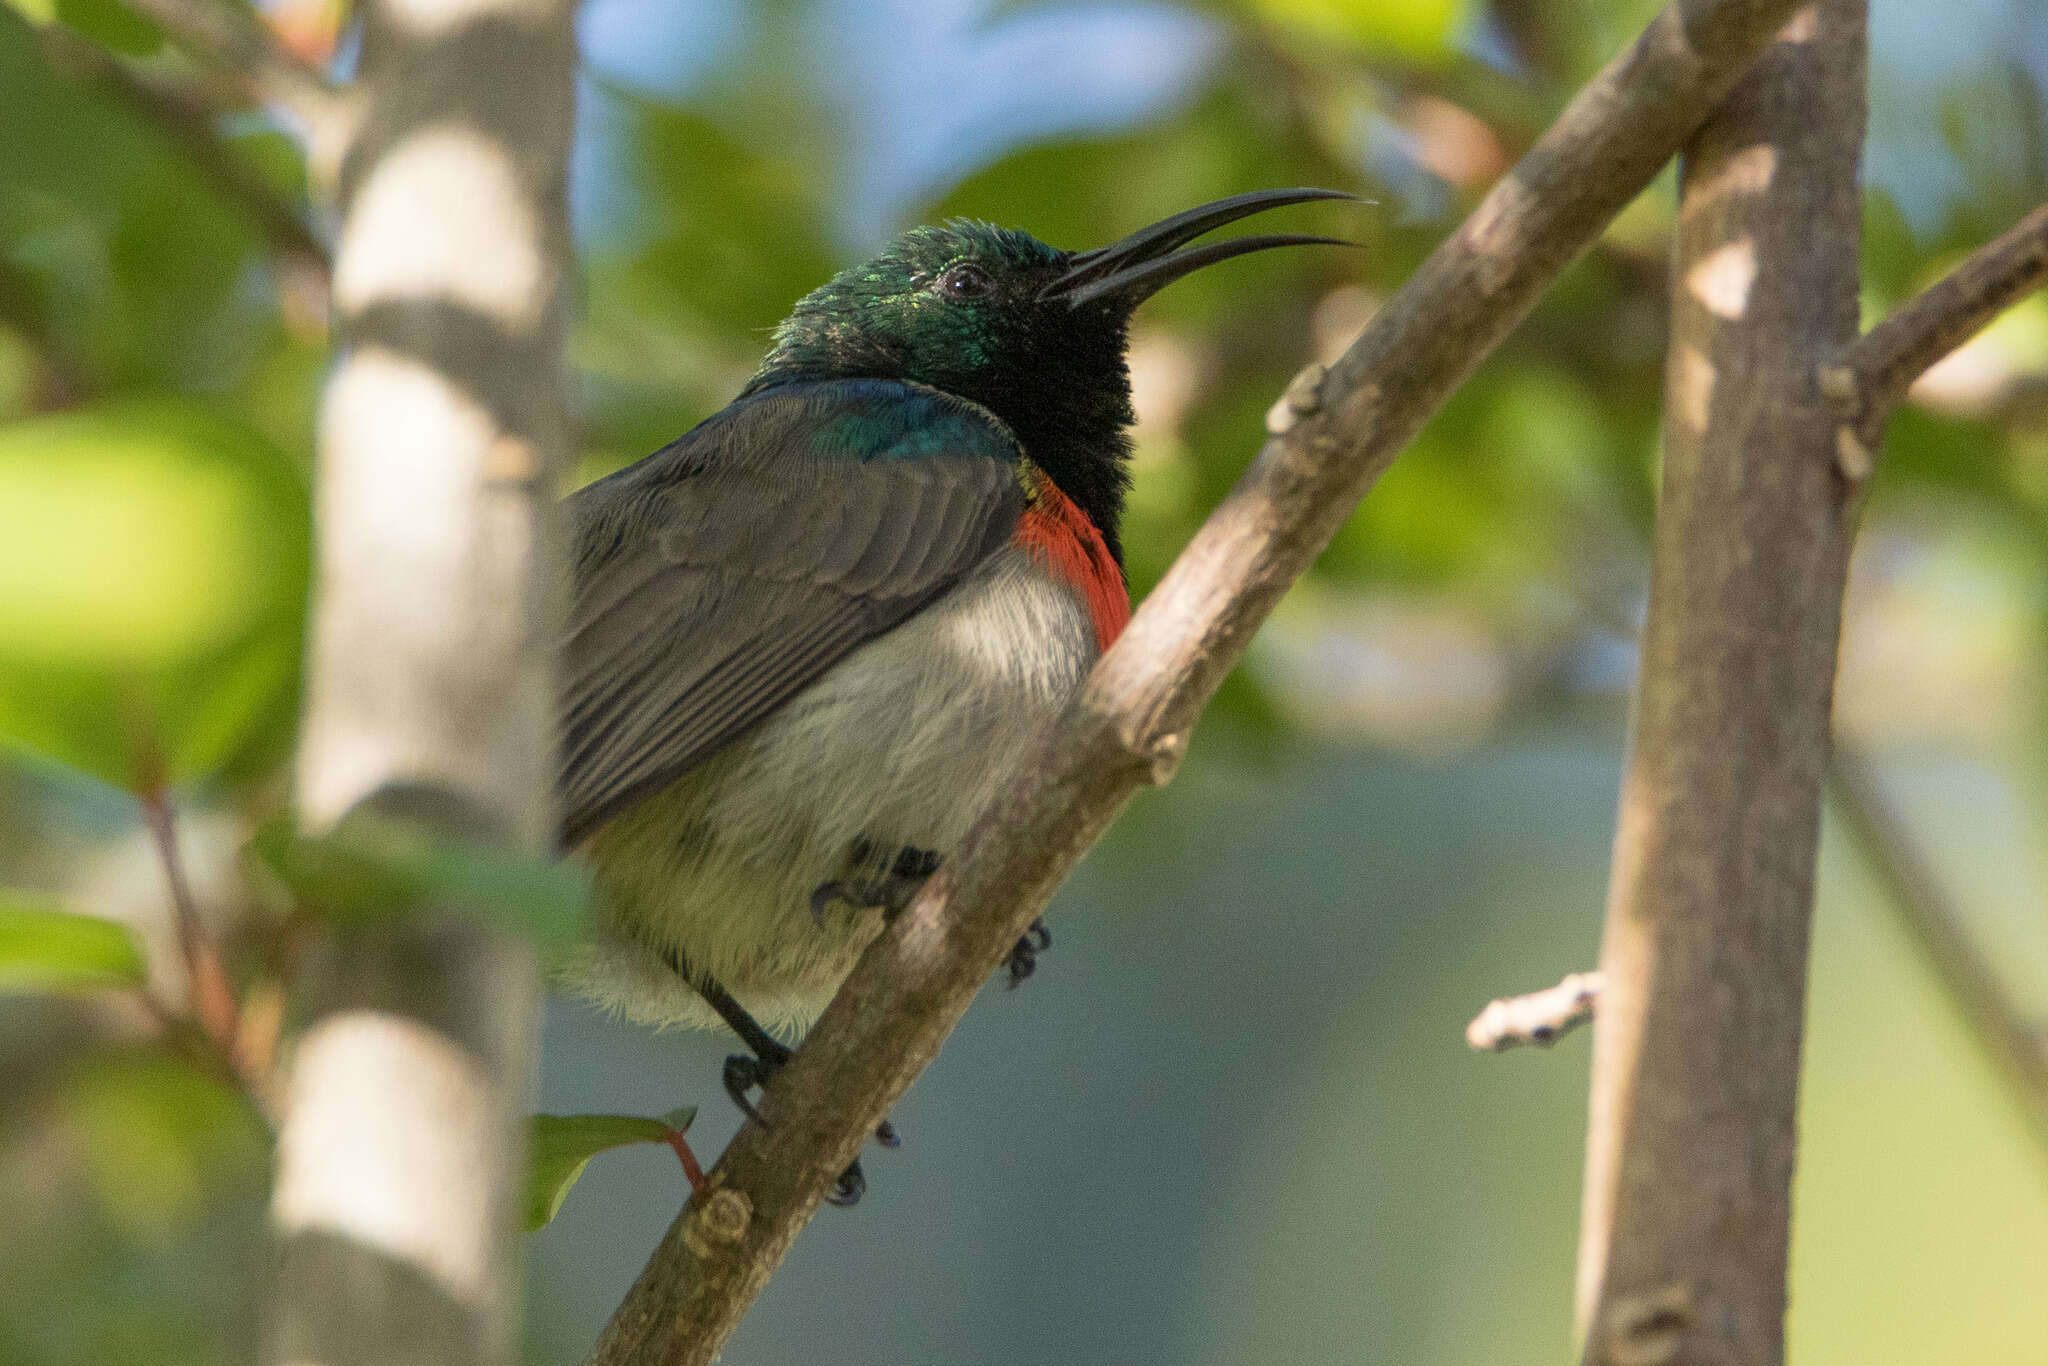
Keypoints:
(2016, 1048)
(1696, 1045)
(1873, 373)
(1334, 434)
(431, 687)
(1539, 1017)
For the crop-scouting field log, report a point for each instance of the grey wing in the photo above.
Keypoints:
(705, 601)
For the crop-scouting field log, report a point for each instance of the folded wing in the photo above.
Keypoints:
(720, 576)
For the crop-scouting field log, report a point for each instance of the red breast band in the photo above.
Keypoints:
(1059, 536)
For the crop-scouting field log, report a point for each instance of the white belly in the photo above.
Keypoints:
(904, 742)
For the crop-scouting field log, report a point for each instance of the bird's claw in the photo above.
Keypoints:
(876, 878)
(848, 1189)
(744, 1073)
(1023, 957)
(829, 893)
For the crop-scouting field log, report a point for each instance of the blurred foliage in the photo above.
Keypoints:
(153, 563)
(48, 950)
(135, 1202)
(161, 349)
(371, 868)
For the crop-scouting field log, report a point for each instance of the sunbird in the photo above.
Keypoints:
(809, 640)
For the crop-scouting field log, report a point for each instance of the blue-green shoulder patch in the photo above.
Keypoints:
(868, 420)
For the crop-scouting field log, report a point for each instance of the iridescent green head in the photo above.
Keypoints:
(1032, 333)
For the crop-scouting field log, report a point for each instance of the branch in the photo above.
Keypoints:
(430, 698)
(1540, 1017)
(1872, 375)
(1334, 434)
(1690, 1141)
(190, 124)
(206, 981)
(230, 39)
(2016, 1049)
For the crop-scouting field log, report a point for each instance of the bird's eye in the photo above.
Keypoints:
(965, 281)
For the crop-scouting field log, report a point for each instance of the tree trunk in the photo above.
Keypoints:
(1696, 1057)
(431, 701)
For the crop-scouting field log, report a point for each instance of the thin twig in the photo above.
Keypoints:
(1333, 435)
(212, 1000)
(1539, 1017)
(213, 1030)
(2015, 1047)
(1874, 372)
(693, 1172)
(190, 123)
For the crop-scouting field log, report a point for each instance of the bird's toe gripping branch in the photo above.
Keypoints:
(745, 1073)
(892, 879)
(1023, 959)
(888, 881)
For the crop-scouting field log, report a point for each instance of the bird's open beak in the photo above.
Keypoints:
(1149, 259)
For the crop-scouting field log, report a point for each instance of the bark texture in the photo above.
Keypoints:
(1697, 1041)
(430, 697)
(1334, 433)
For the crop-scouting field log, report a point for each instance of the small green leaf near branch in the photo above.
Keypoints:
(559, 1147)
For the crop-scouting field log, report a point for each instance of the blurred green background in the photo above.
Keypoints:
(1232, 1117)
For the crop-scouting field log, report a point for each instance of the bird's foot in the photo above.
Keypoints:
(1023, 959)
(877, 877)
(744, 1073)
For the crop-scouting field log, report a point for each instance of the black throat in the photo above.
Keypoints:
(1069, 404)
(1088, 460)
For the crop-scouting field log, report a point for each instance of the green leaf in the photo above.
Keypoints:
(559, 1147)
(1416, 30)
(112, 24)
(153, 572)
(377, 867)
(49, 950)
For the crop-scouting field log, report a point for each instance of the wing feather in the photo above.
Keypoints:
(722, 575)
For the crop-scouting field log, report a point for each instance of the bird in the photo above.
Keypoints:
(808, 641)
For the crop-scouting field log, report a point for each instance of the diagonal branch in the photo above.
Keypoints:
(1334, 433)
(230, 39)
(2016, 1049)
(190, 123)
(1874, 372)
